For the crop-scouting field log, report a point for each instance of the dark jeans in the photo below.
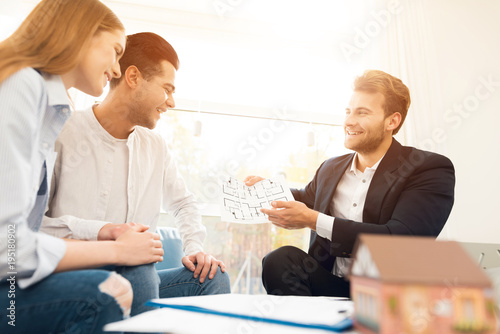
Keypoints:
(68, 302)
(290, 271)
(149, 283)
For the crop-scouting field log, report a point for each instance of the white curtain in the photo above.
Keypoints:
(404, 46)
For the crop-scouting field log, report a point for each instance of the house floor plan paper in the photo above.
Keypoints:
(242, 204)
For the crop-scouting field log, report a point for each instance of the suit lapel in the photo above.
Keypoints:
(382, 182)
(329, 185)
(326, 191)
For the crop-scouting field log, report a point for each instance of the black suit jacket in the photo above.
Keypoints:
(411, 193)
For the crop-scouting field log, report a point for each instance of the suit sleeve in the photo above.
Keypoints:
(307, 195)
(419, 204)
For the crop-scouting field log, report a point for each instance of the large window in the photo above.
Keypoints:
(238, 146)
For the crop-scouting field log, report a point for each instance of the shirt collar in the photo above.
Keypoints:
(56, 91)
(354, 167)
(101, 132)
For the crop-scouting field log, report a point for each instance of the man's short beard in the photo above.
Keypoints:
(137, 115)
(371, 144)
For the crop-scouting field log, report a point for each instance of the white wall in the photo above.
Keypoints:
(468, 47)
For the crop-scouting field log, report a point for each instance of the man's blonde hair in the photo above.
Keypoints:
(395, 92)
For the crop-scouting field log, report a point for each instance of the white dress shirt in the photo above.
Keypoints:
(33, 110)
(348, 202)
(88, 173)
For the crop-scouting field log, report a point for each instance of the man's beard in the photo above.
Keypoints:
(139, 116)
(370, 143)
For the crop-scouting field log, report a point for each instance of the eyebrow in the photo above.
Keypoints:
(360, 108)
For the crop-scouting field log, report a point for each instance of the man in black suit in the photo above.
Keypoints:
(382, 188)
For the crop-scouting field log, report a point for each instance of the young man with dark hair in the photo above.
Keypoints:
(113, 173)
(383, 188)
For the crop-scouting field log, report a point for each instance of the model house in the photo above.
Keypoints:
(419, 285)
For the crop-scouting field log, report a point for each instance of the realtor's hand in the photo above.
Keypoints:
(252, 179)
(203, 264)
(291, 215)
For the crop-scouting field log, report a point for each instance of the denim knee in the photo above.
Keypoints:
(65, 302)
(218, 285)
(144, 274)
(120, 289)
(145, 284)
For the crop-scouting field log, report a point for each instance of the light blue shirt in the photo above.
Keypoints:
(33, 110)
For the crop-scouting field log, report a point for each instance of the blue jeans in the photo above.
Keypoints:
(148, 283)
(68, 302)
(179, 282)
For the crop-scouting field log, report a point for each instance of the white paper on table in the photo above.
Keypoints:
(309, 310)
(241, 203)
(167, 320)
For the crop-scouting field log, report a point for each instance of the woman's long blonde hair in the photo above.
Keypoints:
(54, 34)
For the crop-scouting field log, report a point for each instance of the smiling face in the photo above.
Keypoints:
(153, 97)
(366, 127)
(99, 62)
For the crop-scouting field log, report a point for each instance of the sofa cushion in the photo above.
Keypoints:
(172, 248)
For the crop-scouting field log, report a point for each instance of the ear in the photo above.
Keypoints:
(393, 121)
(132, 76)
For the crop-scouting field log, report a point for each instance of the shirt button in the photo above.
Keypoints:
(109, 161)
(45, 145)
(354, 205)
(105, 193)
(364, 181)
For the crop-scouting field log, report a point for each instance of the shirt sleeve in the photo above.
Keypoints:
(72, 227)
(35, 255)
(47, 249)
(324, 226)
(182, 204)
(67, 226)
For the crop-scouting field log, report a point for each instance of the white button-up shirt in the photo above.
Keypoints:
(87, 177)
(348, 202)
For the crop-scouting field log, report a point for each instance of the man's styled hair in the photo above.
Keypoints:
(396, 94)
(146, 50)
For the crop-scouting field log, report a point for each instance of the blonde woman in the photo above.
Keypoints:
(61, 44)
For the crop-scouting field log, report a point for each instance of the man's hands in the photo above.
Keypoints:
(113, 231)
(289, 215)
(203, 264)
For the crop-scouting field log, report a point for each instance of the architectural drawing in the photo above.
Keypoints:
(242, 204)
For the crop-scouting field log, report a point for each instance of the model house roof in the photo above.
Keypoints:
(423, 260)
